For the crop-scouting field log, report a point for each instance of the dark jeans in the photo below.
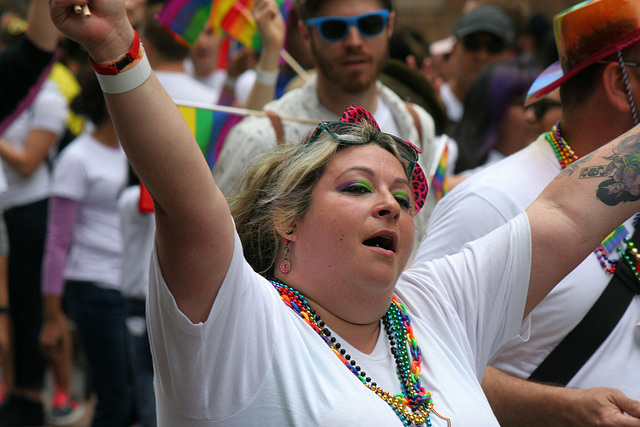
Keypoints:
(99, 314)
(144, 399)
(26, 226)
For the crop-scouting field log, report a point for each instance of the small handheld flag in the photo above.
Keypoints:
(185, 19)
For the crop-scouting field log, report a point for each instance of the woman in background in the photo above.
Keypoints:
(83, 256)
(24, 149)
(495, 123)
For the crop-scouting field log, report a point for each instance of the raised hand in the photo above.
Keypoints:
(106, 34)
(270, 24)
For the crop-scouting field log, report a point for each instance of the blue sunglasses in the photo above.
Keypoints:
(335, 28)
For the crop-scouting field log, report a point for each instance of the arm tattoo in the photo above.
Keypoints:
(621, 174)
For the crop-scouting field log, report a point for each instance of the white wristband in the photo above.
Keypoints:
(230, 83)
(126, 80)
(267, 78)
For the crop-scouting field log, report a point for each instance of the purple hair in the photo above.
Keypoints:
(496, 88)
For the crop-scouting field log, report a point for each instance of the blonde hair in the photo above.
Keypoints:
(276, 192)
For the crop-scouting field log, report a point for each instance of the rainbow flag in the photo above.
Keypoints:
(210, 128)
(228, 48)
(185, 19)
(439, 180)
(615, 239)
(234, 18)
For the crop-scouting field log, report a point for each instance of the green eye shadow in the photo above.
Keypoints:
(360, 182)
(401, 195)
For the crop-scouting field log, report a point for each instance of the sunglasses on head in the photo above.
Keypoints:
(472, 44)
(347, 134)
(335, 28)
(541, 107)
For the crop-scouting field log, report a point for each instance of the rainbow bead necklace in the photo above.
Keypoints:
(415, 403)
(612, 245)
(562, 149)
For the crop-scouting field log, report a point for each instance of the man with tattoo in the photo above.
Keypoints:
(599, 82)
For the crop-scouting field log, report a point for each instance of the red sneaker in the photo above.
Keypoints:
(65, 409)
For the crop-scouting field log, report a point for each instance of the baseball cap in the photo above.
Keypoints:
(488, 19)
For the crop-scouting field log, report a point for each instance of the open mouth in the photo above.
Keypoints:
(384, 242)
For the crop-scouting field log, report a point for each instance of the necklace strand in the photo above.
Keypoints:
(561, 147)
(612, 245)
(414, 404)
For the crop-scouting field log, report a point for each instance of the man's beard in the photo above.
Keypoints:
(347, 81)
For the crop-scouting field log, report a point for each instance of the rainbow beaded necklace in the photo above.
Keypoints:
(415, 403)
(611, 250)
(561, 148)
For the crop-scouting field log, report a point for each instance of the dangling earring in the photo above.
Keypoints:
(285, 265)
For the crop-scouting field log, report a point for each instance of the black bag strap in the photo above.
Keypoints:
(579, 345)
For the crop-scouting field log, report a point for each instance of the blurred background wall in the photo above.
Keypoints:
(435, 19)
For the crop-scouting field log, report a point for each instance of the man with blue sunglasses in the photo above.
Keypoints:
(349, 41)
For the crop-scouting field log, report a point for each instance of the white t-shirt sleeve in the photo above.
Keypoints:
(69, 177)
(4, 185)
(244, 85)
(50, 110)
(201, 364)
(456, 221)
(478, 294)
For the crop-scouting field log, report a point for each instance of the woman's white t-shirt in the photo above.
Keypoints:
(93, 174)
(48, 112)
(255, 362)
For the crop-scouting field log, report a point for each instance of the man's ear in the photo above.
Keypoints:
(305, 35)
(615, 88)
(391, 24)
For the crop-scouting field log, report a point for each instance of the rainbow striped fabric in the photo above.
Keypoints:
(615, 239)
(233, 17)
(210, 128)
(439, 180)
(186, 19)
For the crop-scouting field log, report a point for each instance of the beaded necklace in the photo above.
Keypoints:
(415, 403)
(611, 250)
(561, 148)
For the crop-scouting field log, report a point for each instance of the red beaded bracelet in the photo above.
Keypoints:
(120, 64)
